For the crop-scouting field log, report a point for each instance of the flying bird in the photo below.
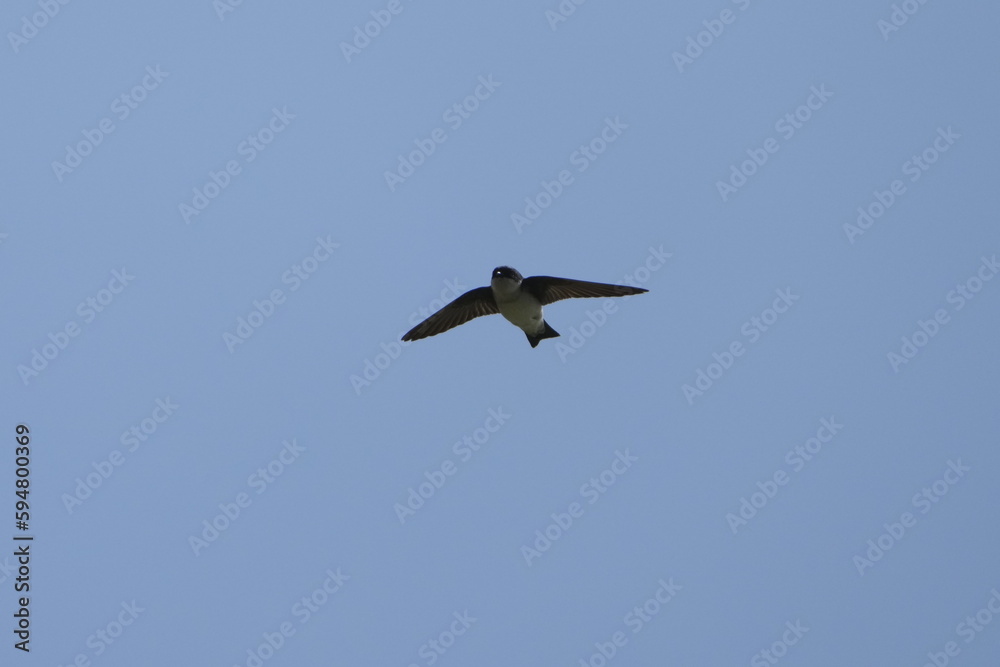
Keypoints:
(518, 299)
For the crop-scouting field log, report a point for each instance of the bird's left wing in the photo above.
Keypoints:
(548, 289)
(474, 303)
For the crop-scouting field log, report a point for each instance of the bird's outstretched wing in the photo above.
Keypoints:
(548, 289)
(474, 303)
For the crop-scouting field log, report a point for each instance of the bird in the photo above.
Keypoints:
(518, 299)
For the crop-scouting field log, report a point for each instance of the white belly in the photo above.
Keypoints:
(525, 313)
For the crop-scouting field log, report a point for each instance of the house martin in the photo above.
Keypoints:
(518, 299)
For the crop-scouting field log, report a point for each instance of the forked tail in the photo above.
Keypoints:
(548, 332)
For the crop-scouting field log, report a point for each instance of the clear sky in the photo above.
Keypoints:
(219, 218)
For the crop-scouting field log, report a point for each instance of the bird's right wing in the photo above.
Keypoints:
(474, 303)
(548, 289)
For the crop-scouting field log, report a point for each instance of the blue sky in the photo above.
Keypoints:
(220, 218)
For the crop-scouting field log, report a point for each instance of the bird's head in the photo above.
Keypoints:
(506, 273)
